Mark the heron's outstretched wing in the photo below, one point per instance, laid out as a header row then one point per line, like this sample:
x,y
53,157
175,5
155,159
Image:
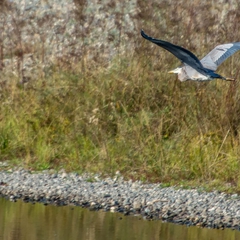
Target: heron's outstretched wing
x,y
219,54
183,54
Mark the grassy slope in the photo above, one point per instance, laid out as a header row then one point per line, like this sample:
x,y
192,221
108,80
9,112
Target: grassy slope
x,y
131,117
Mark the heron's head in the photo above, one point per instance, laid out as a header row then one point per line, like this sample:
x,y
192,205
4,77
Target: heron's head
x,y
180,71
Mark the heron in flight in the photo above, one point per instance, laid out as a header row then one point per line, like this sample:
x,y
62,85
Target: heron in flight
x,y
194,69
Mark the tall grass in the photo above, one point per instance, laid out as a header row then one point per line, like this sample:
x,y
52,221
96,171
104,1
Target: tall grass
x,y
129,118
130,115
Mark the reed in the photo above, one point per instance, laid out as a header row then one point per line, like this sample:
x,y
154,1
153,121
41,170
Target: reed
x,y
131,116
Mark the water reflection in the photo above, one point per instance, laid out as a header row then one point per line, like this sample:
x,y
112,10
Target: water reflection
x,y
21,221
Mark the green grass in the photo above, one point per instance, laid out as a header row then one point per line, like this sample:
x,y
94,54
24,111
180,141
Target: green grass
x,y
130,118
128,114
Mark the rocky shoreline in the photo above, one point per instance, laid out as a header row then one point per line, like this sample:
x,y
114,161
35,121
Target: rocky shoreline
x,y
153,202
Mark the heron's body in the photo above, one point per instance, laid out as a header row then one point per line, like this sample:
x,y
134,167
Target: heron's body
x,y
186,72
193,68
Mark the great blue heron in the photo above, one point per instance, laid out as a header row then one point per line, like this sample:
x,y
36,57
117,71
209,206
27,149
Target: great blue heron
x,y
193,68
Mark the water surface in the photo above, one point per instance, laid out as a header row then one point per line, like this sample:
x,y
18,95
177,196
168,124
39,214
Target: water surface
x,y
22,221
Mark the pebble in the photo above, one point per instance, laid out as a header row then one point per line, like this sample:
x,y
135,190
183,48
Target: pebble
x,y
181,206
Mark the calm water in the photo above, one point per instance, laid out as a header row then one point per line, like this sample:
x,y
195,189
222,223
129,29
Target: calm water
x,y
23,221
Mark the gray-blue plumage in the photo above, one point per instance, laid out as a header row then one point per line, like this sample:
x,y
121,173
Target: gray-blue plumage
x,y
219,54
193,68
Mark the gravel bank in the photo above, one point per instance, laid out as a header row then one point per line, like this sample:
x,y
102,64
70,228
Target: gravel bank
x,y
190,207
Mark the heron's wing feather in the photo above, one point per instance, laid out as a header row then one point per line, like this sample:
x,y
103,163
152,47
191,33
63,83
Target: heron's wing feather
x,y
219,54
183,54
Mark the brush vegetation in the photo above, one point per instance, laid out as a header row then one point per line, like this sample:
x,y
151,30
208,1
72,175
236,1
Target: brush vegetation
x,y
130,115
127,118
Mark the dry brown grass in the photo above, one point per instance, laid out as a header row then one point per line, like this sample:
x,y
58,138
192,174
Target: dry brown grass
x,y
129,114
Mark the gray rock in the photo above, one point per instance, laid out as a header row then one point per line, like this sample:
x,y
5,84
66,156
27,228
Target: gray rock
x,y
137,204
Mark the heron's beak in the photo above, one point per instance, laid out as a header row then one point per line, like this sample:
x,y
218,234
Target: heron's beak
x,y
176,70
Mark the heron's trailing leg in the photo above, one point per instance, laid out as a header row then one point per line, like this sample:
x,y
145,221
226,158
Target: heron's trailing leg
x,y
230,79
